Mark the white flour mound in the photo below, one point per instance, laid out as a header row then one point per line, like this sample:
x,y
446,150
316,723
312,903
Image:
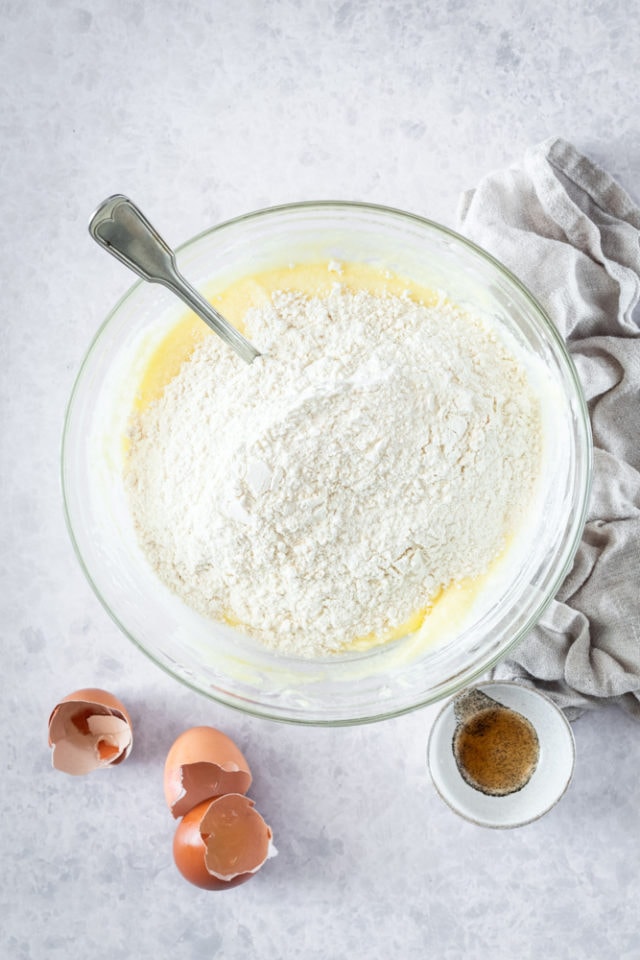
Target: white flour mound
x,y
378,451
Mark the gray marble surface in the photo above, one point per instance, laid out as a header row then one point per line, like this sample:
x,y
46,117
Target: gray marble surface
x,y
200,111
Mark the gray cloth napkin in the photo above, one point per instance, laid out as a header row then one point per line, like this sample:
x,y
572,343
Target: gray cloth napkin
x,y
571,234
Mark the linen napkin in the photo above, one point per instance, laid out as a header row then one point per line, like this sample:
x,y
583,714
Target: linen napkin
x,y
572,235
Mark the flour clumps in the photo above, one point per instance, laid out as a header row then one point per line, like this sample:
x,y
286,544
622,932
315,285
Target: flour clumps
x,y
378,451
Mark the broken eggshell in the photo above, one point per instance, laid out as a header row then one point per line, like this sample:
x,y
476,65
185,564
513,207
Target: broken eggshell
x,y
222,843
89,729
203,763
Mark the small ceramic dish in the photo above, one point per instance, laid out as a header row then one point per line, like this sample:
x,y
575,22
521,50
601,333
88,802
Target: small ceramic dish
x,y
548,783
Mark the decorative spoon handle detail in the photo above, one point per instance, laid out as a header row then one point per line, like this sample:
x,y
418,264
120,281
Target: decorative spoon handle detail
x,y
122,229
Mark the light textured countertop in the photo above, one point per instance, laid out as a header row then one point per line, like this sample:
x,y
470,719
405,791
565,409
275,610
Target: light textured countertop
x,y
201,111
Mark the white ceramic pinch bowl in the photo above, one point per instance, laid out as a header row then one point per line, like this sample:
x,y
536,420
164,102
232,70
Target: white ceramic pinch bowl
x,y
548,783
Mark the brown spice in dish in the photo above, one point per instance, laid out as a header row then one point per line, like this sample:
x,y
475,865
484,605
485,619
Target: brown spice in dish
x,y
496,751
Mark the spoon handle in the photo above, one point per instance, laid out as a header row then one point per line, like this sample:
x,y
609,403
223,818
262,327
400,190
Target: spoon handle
x,y
470,702
122,229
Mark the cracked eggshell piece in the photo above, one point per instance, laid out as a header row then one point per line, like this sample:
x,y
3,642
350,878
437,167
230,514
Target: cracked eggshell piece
x,y
203,763
222,843
89,729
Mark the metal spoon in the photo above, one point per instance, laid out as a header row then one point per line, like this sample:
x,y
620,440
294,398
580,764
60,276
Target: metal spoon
x,y
124,231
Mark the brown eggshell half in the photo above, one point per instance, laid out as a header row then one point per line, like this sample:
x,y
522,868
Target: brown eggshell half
x,y
203,763
222,843
89,729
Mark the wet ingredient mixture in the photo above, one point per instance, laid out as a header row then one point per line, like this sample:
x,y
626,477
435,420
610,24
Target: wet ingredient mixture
x,y
379,451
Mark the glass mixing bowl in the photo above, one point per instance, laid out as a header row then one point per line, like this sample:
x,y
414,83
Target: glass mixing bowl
x,y
219,660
